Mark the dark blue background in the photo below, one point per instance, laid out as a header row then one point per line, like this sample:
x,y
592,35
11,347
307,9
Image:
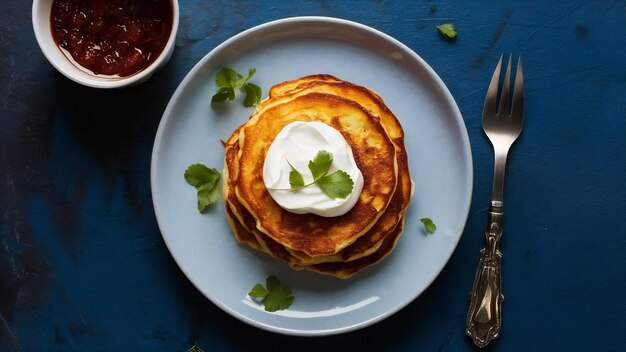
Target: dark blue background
x,y
83,266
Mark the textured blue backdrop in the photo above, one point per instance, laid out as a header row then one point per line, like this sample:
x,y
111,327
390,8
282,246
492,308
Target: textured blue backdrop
x,y
83,266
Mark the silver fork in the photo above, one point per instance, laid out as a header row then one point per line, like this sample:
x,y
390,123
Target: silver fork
x,y
502,126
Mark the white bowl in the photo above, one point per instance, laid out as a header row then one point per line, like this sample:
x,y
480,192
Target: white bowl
x,y
41,26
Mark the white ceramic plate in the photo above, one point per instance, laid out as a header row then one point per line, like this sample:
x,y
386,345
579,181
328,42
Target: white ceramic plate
x,y
439,159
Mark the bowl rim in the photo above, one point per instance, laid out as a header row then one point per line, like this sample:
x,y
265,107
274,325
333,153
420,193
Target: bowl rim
x,y
44,38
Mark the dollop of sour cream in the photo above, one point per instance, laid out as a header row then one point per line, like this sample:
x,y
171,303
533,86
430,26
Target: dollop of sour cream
x,y
297,143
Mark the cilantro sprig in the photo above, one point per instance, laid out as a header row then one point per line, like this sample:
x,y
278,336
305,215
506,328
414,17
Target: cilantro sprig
x,y
447,30
274,296
336,185
429,225
228,81
205,180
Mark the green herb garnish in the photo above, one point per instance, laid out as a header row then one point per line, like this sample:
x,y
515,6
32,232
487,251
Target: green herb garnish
x,y
205,180
274,296
195,348
448,30
336,185
429,225
228,81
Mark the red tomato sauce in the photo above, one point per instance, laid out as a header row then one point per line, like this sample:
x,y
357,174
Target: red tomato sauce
x,y
112,37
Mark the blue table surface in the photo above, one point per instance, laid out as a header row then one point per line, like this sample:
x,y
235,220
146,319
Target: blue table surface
x,y
83,266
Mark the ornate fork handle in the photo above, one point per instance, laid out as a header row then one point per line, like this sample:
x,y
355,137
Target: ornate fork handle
x,y
502,126
484,317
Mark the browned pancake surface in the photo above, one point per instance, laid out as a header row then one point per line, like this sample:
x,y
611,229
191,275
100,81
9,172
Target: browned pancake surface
x,y
367,249
375,105
372,149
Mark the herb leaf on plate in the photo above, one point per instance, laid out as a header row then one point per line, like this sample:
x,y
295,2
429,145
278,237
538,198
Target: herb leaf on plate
x,y
208,194
253,95
226,77
258,291
228,81
222,94
274,296
205,180
429,225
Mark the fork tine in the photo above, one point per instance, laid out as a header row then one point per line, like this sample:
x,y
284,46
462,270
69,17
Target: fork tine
x,y
504,96
492,91
517,111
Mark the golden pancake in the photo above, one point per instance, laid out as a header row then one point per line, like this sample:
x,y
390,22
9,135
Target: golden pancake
x,y
243,223
366,250
373,151
365,245
374,104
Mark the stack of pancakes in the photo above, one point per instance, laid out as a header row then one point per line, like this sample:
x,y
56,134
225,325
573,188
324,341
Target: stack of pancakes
x,y
340,246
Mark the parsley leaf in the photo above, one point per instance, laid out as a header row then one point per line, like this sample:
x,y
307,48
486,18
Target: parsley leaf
x,y
228,81
274,296
253,95
205,180
448,30
226,77
336,185
295,178
320,164
208,194
222,94
258,291
241,80
429,225
197,175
